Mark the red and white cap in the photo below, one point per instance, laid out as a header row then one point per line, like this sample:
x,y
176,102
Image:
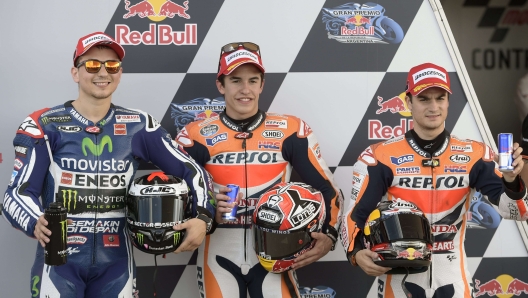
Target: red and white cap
x,y
230,61
425,76
97,38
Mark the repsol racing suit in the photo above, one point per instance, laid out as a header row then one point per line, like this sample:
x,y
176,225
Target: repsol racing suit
x,y
441,184
255,160
62,156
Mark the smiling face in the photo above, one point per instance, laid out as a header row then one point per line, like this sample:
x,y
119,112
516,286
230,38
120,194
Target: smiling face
x,y
241,91
429,111
96,86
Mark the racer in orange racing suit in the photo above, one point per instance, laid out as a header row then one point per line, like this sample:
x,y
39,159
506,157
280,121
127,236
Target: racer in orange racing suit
x,y
441,183
255,159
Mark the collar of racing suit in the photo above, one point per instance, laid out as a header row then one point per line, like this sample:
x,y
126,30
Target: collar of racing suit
x,y
231,124
101,122
436,150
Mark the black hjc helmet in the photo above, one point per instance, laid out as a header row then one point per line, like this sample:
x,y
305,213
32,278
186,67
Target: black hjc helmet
x,y
155,203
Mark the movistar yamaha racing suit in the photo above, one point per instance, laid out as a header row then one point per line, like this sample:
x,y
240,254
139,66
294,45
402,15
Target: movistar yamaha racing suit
x,y
441,184
62,156
255,160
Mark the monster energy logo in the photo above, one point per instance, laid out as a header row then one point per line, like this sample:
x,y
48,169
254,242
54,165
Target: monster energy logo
x,y
96,149
34,288
60,119
139,237
176,237
67,196
212,200
64,225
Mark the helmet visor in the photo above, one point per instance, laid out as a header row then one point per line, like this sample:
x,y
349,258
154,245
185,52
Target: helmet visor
x,y
403,226
270,243
157,209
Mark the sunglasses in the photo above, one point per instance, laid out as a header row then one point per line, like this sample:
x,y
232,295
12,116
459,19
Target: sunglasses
x,y
94,66
233,46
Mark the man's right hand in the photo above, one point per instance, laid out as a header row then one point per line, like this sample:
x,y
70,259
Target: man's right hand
x,y
365,259
41,232
222,206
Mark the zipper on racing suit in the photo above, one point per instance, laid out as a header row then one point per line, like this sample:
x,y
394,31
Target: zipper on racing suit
x,y
245,198
96,206
433,198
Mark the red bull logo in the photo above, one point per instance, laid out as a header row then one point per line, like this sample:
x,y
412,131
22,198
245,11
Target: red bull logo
x,y
153,8
394,105
156,10
410,254
504,286
357,31
358,20
205,115
378,131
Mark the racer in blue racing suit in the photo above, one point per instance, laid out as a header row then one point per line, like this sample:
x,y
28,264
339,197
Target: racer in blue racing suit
x,y
62,156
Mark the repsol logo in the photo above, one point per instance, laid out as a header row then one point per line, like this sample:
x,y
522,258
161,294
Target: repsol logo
x,y
157,190
199,277
442,182
417,148
241,157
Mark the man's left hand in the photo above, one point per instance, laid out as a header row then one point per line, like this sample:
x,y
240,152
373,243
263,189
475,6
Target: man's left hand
x,y
194,234
322,246
517,164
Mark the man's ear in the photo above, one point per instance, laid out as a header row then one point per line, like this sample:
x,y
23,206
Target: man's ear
x,y
220,87
75,74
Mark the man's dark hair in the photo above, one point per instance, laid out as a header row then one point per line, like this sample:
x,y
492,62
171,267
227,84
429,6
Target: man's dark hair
x,y
221,79
410,96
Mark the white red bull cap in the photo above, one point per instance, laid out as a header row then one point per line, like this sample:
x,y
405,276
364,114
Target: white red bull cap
x,y
230,61
97,38
425,76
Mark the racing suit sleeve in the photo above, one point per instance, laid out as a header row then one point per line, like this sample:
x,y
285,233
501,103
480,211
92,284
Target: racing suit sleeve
x,y
303,152
21,206
154,144
199,153
486,178
195,149
370,182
